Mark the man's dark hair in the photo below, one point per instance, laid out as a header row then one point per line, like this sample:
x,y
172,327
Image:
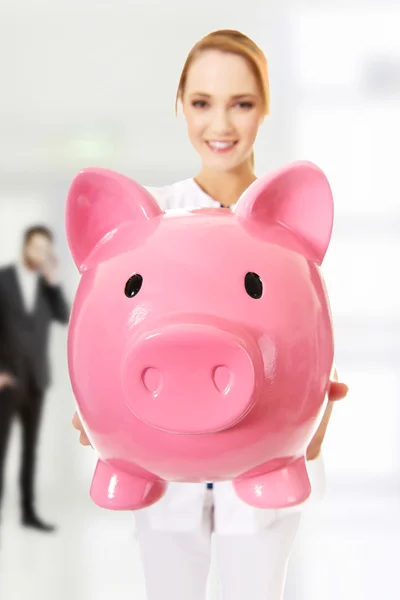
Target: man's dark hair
x,y
38,230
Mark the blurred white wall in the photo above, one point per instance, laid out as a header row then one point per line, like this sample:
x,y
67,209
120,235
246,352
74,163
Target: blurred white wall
x,y
85,83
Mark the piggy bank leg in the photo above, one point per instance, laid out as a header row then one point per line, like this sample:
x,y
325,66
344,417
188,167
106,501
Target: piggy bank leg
x,y
117,490
281,488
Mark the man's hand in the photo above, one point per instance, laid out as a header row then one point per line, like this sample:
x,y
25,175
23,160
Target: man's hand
x,y
76,422
50,271
6,380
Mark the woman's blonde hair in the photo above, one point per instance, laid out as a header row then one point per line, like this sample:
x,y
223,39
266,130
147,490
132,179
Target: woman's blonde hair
x,y
231,42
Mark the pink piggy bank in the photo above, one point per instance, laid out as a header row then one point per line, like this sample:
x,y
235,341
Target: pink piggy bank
x,y
200,344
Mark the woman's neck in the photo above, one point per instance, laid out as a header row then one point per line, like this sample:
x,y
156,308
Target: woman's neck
x,y
226,187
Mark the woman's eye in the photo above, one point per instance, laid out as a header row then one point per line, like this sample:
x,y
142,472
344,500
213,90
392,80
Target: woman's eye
x,y
199,103
245,105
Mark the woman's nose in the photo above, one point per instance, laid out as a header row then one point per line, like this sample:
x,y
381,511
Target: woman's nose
x,y
221,124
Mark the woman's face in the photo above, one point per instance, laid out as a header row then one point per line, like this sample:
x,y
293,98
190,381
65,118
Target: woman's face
x,y
223,107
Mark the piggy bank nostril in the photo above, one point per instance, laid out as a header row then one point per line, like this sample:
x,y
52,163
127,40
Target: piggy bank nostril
x,y
152,380
222,379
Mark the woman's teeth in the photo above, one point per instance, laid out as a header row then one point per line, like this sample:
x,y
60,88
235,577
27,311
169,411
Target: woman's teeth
x,y
220,146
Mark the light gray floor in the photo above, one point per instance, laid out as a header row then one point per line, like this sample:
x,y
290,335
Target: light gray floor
x,y
347,549
94,556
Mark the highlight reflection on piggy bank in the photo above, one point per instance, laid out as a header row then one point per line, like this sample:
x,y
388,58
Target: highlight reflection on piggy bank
x,y
200,343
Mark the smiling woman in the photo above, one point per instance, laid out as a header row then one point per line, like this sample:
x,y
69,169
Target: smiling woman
x,y
224,93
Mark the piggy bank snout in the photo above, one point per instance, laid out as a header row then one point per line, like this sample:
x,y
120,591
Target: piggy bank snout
x,y
190,379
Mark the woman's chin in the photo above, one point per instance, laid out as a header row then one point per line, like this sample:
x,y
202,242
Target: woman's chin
x,y
222,163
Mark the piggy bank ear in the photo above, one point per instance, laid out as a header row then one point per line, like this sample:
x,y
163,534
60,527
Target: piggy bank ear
x,y
98,202
298,197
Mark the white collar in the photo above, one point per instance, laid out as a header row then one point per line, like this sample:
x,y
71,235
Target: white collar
x,y
213,201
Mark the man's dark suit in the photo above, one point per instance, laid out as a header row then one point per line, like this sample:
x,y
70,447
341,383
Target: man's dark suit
x,y
24,354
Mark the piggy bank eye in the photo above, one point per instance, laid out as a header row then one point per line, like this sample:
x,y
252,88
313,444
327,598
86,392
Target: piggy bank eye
x,y
133,285
253,285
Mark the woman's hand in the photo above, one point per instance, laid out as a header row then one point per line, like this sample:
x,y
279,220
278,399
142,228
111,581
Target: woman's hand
x,y
337,391
76,422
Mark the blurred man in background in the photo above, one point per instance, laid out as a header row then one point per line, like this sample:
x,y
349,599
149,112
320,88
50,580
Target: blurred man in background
x,y
30,299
